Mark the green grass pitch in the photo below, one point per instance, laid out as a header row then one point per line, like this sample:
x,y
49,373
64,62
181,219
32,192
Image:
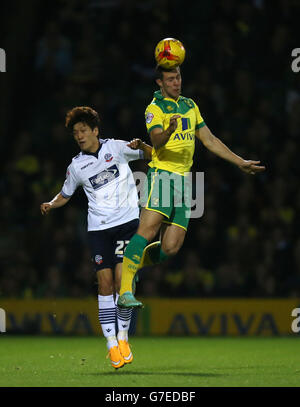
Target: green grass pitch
x,y
27,361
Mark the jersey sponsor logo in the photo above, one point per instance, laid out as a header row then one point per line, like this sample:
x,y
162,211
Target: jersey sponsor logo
x,y
185,123
98,259
86,165
104,177
149,117
108,157
182,136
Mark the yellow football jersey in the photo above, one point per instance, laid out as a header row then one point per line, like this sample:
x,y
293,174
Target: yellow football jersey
x,y
177,154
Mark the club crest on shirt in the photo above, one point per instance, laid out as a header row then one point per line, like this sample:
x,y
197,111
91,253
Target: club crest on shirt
x,y
108,157
98,259
149,117
188,102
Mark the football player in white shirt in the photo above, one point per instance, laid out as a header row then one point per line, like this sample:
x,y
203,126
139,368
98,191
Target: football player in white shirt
x,y
102,169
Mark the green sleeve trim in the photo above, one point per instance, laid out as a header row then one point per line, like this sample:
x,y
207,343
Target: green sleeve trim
x,y
202,124
153,127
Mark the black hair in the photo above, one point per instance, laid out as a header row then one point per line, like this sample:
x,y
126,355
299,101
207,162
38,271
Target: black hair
x,y
82,114
159,70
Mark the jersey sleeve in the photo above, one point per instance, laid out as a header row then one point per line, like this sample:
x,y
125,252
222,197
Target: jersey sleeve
x,y
130,154
71,183
154,117
199,119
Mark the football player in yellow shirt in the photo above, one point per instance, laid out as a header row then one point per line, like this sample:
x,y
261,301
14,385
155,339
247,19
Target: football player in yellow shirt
x,y
173,122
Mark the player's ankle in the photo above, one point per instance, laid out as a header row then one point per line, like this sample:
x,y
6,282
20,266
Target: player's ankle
x,y
111,342
123,336
126,290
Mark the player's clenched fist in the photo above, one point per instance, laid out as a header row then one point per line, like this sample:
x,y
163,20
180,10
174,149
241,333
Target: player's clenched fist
x,y
45,208
135,144
138,144
173,123
58,201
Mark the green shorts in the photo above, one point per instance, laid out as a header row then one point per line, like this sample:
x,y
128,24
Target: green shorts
x,y
169,194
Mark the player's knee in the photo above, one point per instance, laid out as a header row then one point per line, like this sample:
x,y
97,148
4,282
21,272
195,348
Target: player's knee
x,y
171,249
148,233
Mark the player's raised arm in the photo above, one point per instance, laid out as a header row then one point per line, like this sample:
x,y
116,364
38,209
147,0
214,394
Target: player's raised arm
x,y
138,144
160,137
217,147
58,201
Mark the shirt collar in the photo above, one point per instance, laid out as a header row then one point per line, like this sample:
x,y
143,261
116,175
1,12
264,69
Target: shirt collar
x,y
95,154
158,95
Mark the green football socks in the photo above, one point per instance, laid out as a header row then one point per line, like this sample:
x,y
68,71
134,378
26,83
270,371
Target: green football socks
x,y
131,261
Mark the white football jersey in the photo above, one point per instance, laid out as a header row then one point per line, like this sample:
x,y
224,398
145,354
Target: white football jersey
x,y
108,183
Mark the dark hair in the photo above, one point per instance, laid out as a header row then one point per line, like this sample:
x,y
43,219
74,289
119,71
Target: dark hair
x,y
83,114
159,71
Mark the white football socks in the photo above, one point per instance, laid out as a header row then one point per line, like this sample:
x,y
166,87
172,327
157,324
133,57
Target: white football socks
x,y
108,311
107,318
123,318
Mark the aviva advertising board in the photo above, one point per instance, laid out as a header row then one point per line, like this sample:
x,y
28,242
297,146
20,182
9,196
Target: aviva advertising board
x,y
207,317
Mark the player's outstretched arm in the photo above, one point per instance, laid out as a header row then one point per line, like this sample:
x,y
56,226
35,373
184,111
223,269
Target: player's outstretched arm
x,y
216,146
138,144
56,202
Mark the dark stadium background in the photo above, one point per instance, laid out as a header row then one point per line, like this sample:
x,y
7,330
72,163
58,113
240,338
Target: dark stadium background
x,y
62,54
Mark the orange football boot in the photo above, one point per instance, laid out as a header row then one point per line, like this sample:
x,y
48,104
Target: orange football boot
x,y
115,357
125,351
